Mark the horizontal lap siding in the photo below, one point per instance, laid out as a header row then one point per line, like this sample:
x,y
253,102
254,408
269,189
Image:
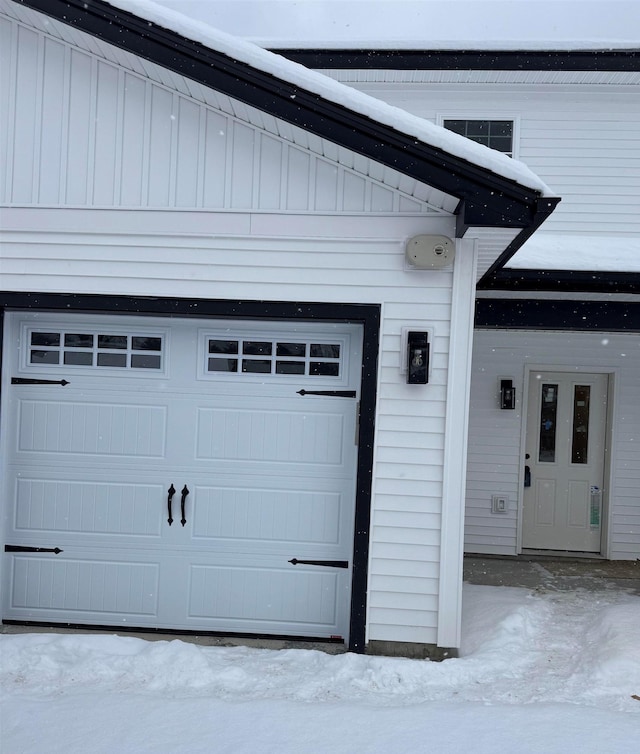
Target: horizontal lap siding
x,y
406,518
583,141
169,263
495,453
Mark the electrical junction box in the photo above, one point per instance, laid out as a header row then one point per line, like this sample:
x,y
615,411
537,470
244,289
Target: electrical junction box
x,y
427,252
499,504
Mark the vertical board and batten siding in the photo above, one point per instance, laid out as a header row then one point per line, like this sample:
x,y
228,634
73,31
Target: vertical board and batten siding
x,y
495,452
583,141
133,189
82,131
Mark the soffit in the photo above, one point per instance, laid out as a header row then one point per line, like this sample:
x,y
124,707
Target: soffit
x,y
523,77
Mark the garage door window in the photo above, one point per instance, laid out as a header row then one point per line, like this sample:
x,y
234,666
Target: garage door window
x,y
95,349
274,357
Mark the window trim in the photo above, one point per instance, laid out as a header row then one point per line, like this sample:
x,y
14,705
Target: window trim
x,y
274,334
94,327
467,115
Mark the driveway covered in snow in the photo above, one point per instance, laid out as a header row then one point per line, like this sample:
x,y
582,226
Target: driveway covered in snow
x,y
540,671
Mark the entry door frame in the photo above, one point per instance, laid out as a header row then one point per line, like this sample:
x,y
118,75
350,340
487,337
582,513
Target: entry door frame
x,y
366,315
607,496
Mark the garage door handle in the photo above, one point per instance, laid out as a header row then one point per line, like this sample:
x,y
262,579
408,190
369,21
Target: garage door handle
x,y
170,492
185,492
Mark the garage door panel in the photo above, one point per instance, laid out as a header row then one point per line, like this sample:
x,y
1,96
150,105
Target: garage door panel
x,y
288,600
267,475
270,436
53,506
269,516
79,428
82,589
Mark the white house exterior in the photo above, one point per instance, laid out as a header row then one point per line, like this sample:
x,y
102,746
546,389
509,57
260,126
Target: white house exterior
x,y
212,260
207,245
561,317
566,302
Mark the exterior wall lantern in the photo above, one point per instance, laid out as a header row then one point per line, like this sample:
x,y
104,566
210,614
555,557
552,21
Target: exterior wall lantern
x,y
417,357
507,394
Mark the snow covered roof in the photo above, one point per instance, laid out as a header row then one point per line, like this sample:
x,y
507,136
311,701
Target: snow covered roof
x,y
424,24
329,90
556,251
492,190
568,262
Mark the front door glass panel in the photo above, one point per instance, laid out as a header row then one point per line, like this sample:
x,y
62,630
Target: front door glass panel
x,y
580,435
548,423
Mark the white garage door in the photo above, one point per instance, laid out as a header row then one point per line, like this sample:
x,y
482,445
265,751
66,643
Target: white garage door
x,y
186,472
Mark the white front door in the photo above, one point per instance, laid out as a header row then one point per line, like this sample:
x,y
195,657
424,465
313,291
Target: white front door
x,y
564,466
243,434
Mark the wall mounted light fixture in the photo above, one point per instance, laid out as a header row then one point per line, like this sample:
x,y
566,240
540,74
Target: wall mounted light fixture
x,y
417,357
507,394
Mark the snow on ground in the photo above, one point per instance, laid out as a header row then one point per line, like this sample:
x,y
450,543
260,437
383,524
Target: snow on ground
x,y
539,672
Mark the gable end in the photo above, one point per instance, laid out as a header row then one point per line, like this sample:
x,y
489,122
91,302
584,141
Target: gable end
x,y
486,198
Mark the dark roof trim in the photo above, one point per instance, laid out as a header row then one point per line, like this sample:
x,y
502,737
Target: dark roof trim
x,y
544,210
551,314
585,281
467,60
487,199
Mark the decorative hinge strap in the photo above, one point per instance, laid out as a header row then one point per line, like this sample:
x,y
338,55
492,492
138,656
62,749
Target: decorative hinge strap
x,y
326,563
331,393
31,381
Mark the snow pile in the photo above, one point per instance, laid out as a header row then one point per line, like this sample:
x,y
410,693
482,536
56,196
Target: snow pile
x,y
552,672
614,642
557,251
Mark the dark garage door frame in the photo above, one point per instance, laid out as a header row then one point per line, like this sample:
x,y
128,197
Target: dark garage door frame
x,y
368,315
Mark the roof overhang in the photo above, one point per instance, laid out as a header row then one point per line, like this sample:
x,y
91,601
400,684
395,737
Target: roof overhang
x,y
485,198
561,281
560,314
466,60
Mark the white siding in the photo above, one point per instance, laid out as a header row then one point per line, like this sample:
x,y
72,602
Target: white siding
x,y
495,453
271,257
582,140
83,131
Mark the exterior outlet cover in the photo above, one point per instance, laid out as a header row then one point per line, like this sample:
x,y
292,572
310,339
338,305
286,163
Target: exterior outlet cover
x,y
499,504
426,252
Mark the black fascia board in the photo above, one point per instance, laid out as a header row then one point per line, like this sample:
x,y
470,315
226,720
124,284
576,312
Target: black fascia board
x,y
557,315
584,281
465,60
488,199
545,208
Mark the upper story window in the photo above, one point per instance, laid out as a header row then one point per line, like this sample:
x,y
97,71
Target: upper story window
x,y
496,134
